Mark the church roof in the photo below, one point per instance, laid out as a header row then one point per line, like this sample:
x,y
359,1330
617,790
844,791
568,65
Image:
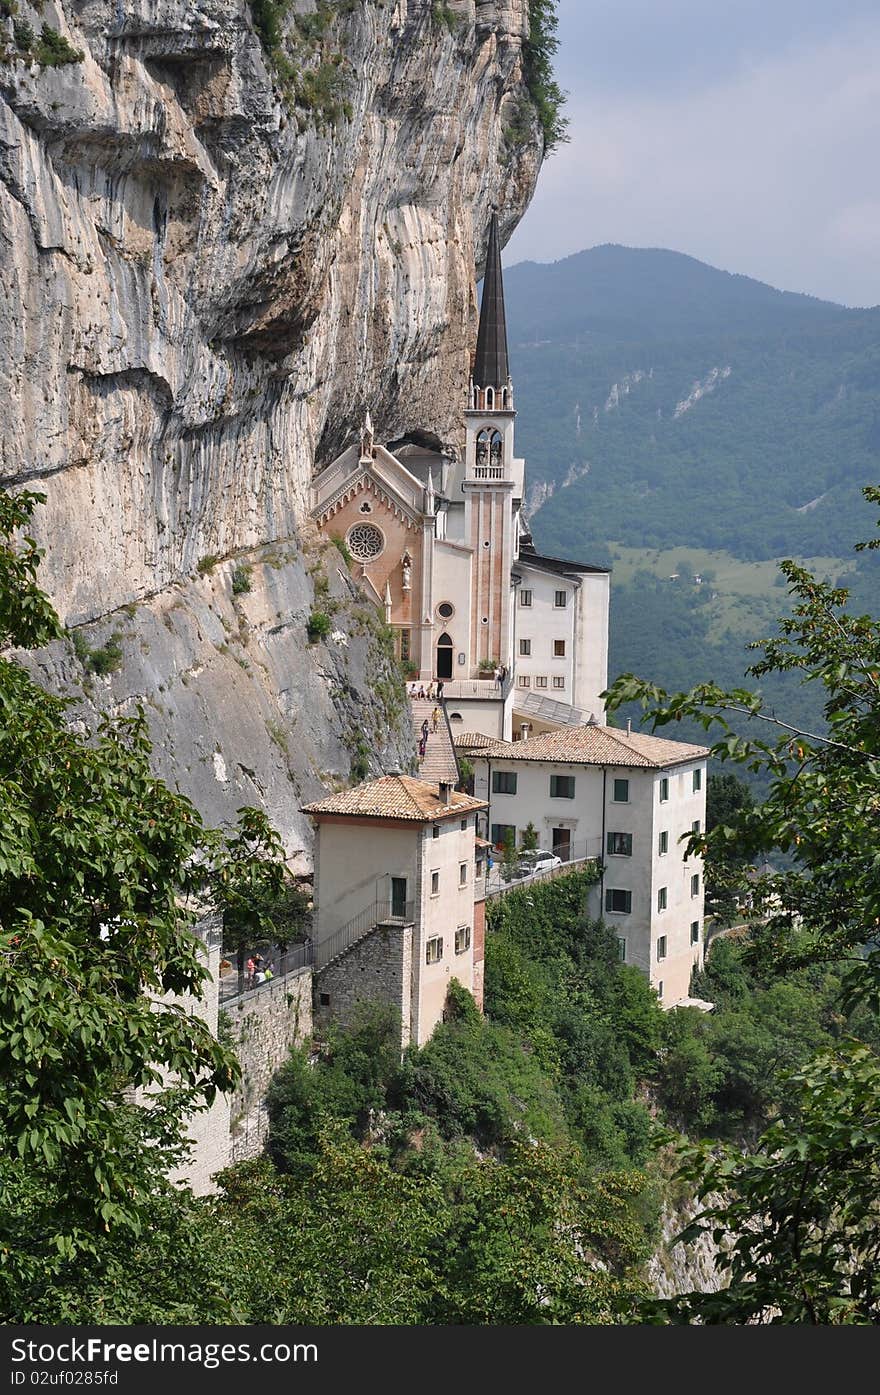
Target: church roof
x,y
491,366
588,745
396,797
530,558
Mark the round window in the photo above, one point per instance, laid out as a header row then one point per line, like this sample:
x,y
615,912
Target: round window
x,y
446,609
365,541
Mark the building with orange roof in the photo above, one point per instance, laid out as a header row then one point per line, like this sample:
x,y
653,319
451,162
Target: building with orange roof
x,y
399,900
627,798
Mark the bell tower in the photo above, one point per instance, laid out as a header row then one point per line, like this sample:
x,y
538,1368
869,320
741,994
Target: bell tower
x,y
489,483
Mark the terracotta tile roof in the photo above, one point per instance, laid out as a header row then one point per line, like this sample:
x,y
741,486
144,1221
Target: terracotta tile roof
x,y
476,740
587,745
395,797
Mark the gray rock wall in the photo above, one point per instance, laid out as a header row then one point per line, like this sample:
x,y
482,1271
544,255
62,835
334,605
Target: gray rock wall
x,y
202,290
243,710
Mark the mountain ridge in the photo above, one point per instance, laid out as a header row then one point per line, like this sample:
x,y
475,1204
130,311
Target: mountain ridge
x,y
668,403
609,250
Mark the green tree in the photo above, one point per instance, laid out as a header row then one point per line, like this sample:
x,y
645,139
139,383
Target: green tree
x,y
528,839
102,868
726,797
539,50
822,810
509,856
246,880
799,1225
288,914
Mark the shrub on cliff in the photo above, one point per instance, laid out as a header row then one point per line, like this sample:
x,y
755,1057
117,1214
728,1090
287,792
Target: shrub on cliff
x,y
539,49
53,50
318,626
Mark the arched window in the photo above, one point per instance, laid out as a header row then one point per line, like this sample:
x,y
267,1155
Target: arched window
x,y
490,399
489,447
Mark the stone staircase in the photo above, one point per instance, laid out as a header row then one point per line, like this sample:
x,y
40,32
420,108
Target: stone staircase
x,y
327,951
438,762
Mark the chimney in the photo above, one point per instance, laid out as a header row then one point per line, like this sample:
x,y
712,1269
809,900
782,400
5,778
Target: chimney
x,y
629,727
445,792
524,731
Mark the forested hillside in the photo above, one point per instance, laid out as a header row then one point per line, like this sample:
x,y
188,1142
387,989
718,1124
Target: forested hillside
x,y
680,422
669,404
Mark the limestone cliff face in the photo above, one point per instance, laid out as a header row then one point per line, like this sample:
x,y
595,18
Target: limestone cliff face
x,y
202,289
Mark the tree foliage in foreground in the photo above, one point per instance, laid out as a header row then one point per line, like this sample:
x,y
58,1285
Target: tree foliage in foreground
x,y
800,1214
101,1060
799,1228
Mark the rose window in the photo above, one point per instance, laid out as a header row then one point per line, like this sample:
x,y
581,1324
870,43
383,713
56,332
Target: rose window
x,y
365,541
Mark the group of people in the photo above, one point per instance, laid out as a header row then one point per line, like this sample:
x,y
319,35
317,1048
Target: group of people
x,y
426,730
258,971
432,692
500,674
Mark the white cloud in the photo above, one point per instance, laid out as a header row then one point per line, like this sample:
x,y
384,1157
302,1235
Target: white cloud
x,y
771,172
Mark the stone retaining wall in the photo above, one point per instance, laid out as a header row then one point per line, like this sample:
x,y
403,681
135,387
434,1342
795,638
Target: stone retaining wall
x,y
376,969
263,1024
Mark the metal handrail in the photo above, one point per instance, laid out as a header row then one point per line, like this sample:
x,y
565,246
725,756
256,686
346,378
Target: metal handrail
x,y
292,961
360,925
451,739
457,688
495,888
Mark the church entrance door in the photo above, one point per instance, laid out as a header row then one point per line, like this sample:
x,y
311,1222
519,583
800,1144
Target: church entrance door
x,y
444,657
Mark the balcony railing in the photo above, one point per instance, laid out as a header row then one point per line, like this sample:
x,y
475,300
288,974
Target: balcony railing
x,y
379,913
485,688
293,961
573,856
488,472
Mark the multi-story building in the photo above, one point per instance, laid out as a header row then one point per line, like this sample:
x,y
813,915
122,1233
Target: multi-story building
x,y
399,900
440,542
626,798
560,642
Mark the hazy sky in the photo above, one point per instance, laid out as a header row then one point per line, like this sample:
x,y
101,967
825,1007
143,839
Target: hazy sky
x,y
745,132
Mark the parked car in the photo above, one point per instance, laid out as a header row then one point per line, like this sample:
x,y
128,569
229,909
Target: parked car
x,y
536,860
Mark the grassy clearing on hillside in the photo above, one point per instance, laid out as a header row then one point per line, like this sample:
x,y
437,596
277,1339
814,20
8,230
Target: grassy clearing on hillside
x,y
731,574
746,595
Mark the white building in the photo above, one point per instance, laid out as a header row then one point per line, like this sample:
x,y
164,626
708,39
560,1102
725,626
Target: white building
x,y
560,642
627,798
441,543
399,908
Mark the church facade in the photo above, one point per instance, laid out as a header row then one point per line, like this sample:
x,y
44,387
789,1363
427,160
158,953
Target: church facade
x,y
520,640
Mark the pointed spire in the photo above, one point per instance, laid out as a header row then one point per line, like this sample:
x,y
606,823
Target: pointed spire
x,y
367,439
430,491
491,368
